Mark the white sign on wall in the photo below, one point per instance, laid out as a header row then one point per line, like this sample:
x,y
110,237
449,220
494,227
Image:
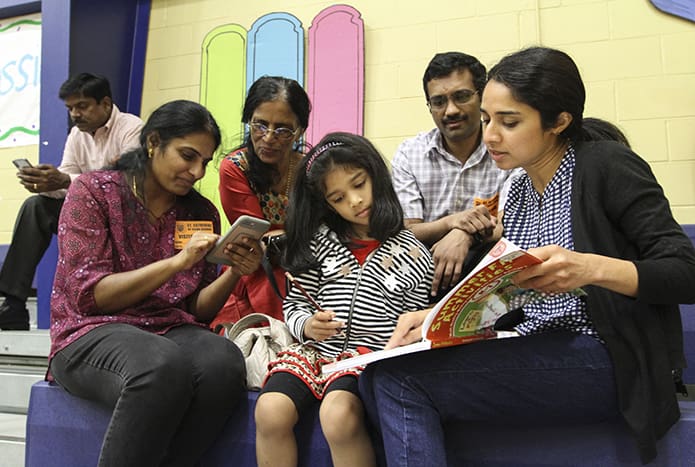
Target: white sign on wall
x,y
20,80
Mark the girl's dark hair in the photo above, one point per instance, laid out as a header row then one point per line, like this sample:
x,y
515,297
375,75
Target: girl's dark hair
x,y
309,209
174,119
547,80
266,89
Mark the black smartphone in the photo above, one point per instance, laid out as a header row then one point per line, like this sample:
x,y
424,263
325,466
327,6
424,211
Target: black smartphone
x,y
22,163
248,226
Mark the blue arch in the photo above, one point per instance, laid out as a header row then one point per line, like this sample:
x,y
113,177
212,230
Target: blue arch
x,y
275,47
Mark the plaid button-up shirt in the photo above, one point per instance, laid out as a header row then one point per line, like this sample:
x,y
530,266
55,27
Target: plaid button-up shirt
x,y
431,183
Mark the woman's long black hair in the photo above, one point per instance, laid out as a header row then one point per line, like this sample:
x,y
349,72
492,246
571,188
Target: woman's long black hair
x,y
175,119
547,80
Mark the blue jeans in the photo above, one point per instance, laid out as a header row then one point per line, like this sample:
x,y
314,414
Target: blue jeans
x,y
537,379
171,394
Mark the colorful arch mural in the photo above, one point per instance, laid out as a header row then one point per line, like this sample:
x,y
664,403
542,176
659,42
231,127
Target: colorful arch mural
x,y
681,8
275,48
336,72
232,59
222,91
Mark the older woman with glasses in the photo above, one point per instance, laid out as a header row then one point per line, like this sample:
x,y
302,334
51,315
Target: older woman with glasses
x,y
256,178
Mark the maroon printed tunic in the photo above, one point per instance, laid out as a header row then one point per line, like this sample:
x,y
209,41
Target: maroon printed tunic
x,y
104,229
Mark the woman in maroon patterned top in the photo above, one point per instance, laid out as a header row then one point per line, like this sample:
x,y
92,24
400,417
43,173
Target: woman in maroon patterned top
x,y
133,292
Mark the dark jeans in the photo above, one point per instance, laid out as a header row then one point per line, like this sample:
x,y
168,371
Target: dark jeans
x,y
546,378
36,223
171,394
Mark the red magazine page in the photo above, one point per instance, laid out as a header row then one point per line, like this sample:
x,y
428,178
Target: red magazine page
x,y
469,311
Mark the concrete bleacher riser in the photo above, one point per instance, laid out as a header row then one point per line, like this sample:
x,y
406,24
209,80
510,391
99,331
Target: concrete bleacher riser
x,y
22,363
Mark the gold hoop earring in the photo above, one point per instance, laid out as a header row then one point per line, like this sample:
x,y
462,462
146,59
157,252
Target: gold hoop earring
x,y
150,153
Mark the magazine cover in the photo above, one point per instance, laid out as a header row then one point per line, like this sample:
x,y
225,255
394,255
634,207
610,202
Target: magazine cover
x,y
470,310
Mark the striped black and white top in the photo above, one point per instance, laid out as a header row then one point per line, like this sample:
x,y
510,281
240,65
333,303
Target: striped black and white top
x,y
369,298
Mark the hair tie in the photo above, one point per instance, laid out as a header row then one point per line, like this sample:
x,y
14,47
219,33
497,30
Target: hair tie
x,y
319,151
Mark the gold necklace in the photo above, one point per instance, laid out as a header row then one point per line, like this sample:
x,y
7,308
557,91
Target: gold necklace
x,y
144,203
290,172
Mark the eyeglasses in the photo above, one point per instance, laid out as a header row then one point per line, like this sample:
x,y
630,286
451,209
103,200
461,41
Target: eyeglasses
x,y
281,133
459,98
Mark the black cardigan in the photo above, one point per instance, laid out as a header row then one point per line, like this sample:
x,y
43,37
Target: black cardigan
x,y
619,210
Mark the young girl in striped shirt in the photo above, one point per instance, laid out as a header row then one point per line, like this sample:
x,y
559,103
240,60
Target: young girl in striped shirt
x,y
350,252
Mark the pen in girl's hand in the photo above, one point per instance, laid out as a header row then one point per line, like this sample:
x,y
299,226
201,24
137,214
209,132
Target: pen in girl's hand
x,y
303,291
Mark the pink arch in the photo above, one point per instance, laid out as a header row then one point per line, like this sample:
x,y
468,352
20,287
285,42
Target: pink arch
x,y
336,72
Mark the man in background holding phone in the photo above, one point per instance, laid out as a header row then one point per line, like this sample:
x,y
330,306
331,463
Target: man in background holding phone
x,y
101,133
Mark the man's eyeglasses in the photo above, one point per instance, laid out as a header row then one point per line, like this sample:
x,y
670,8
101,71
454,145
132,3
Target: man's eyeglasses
x,y
459,98
281,133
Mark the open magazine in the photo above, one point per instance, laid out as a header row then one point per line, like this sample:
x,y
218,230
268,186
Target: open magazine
x,y
470,310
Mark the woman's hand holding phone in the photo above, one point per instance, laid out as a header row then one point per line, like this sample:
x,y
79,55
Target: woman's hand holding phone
x,y
244,227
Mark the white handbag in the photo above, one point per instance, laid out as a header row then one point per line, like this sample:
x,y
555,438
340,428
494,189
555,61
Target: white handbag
x,y
260,345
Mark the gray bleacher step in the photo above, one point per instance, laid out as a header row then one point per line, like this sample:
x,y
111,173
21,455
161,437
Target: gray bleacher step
x,y
11,453
16,383
25,344
12,427
12,433
23,361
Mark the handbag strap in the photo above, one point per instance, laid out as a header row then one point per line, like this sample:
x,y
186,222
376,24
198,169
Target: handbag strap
x,y
268,268
278,330
246,322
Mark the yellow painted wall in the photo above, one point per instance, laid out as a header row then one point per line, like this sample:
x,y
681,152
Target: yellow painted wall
x,y
636,62
12,194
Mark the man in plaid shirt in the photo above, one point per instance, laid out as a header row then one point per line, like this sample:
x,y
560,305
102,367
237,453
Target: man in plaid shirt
x,y
447,183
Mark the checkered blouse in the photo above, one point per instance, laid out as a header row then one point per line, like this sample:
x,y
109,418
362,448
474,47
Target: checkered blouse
x,y
531,220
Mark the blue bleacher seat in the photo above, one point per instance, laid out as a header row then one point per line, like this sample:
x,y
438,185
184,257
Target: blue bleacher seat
x,y
607,444
66,431
63,430
688,317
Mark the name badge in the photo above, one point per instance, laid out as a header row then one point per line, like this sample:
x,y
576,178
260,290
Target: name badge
x,y
185,230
